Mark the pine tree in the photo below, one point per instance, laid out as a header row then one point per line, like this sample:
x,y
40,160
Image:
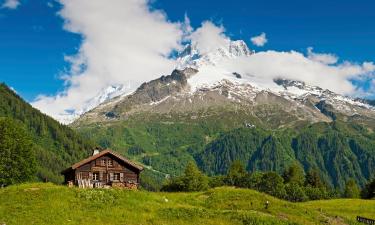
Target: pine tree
x,y
295,193
236,173
194,179
17,159
351,189
294,174
313,179
272,184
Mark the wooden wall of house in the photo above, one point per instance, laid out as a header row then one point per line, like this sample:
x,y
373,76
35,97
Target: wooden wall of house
x,y
106,172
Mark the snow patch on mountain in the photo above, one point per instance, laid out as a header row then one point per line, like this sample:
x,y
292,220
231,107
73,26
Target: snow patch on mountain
x,y
103,96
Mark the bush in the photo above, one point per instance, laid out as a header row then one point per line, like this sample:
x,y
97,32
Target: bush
x,y
252,180
216,181
351,189
272,184
295,193
314,193
368,191
235,175
313,179
192,180
294,174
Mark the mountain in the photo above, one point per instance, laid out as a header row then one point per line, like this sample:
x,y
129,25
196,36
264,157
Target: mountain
x,y
193,113
57,145
104,95
188,57
200,82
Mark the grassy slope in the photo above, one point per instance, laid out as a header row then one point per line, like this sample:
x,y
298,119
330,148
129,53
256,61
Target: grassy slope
x,y
52,204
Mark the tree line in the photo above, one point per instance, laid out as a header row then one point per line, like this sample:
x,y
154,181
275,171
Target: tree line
x,y
293,184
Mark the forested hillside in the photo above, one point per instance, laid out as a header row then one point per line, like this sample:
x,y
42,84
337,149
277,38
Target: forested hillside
x,y
338,150
56,145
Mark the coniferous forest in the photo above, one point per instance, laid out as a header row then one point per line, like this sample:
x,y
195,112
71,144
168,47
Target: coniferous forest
x,y
42,142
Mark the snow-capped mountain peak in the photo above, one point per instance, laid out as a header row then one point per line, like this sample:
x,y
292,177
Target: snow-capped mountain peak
x,y
214,78
192,57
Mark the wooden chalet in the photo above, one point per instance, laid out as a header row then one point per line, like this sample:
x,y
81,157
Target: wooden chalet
x,y
103,169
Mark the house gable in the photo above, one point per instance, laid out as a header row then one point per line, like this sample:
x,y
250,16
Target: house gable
x,y
107,153
104,168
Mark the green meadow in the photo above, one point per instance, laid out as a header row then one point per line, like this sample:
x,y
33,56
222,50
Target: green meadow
x,y
41,203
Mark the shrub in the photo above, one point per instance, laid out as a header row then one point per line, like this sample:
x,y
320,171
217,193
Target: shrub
x,y
351,189
368,191
272,184
192,180
295,193
294,174
235,175
314,193
216,181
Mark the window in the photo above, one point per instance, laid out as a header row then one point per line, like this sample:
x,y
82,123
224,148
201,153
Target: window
x,y
109,162
95,176
103,162
116,176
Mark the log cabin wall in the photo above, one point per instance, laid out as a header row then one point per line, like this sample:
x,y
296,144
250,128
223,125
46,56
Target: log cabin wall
x,y
107,170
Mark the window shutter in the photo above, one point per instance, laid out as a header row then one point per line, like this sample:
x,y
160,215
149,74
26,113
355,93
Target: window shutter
x,y
90,176
111,176
100,175
122,177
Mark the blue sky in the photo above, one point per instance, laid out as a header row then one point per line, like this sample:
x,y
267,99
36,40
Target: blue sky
x,y
33,42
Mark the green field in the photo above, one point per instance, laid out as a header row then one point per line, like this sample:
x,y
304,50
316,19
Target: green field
x,y
39,203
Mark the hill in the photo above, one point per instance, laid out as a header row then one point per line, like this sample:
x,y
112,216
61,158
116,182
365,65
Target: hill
x,y
57,145
50,204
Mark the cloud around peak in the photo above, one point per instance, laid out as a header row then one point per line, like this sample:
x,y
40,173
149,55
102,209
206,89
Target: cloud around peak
x,y
122,42
208,37
259,40
321,57
126,42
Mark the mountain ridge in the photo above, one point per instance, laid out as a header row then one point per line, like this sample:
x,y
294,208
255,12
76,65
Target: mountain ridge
x,y
199,72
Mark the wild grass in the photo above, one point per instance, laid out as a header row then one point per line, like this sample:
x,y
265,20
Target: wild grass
x,y
40,203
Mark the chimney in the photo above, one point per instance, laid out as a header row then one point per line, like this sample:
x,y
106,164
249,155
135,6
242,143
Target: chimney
x,y
96,151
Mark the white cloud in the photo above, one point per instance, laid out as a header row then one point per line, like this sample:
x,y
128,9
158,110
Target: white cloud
x,y
314,68
208,37
259,40
293,65
321,57
124,41
11,4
